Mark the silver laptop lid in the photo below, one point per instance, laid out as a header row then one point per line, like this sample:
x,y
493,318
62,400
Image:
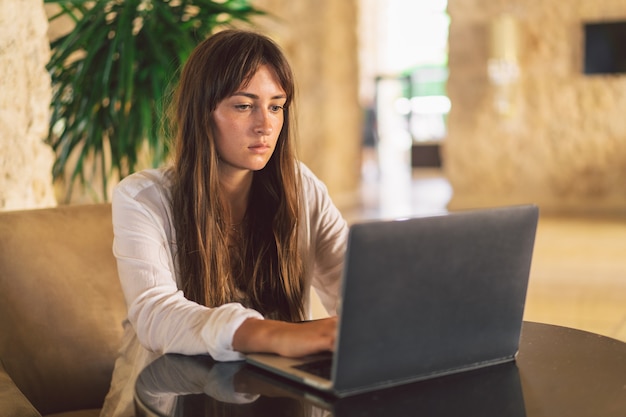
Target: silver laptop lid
x,y
433,295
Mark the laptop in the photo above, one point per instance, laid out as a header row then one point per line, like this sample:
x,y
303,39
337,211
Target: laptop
x,y
423,297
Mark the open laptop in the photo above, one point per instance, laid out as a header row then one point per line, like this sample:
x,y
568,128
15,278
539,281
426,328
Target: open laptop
x,y
424,297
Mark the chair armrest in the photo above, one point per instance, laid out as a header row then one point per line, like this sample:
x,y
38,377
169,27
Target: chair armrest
x,y
12,402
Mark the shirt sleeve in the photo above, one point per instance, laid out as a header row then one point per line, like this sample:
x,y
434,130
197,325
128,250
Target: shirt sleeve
x,y
328,234
163,319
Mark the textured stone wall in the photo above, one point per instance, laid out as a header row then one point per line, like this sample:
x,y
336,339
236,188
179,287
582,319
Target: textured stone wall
x,y
320,39
25,161
562,141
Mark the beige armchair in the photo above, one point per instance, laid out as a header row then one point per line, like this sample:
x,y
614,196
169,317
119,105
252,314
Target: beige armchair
x,y
61,308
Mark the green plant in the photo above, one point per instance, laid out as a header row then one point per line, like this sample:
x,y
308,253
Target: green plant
x,y
110,75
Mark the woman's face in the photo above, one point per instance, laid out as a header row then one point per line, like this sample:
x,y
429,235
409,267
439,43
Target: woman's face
x,y
247,124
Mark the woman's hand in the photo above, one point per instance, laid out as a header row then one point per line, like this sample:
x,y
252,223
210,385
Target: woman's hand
x,y
286,339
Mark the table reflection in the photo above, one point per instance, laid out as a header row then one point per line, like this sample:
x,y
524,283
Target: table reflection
x,y
176,385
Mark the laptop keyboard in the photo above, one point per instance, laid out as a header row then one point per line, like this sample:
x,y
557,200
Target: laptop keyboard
x,y
321,368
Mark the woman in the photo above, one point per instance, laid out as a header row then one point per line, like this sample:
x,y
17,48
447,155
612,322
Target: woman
x,y
217,253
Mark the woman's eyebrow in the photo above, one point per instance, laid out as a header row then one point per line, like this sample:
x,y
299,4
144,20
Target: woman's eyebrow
x,y
256,97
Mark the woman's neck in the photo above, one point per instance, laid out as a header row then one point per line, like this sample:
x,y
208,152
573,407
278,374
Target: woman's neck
x,y
236,190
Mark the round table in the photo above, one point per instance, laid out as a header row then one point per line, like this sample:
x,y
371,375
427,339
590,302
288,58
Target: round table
x,y
558,372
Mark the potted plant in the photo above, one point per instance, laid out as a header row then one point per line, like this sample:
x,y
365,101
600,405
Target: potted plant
x,y
110,75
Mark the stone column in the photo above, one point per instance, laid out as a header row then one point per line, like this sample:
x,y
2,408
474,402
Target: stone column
x,y
25,161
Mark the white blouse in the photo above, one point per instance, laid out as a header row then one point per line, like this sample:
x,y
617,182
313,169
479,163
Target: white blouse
x,y
160,319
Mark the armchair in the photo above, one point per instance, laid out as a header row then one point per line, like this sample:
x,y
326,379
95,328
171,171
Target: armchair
x,y
61,308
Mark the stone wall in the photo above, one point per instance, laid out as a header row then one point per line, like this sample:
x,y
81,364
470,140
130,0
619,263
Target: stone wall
x,y
25,161
561,142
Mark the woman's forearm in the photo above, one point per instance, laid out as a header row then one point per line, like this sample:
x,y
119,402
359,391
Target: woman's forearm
x,y
286,339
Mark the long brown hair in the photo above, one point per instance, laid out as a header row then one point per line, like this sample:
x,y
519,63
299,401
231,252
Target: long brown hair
x,y
265,272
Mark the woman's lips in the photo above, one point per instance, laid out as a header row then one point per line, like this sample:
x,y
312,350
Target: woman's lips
x,y
259,148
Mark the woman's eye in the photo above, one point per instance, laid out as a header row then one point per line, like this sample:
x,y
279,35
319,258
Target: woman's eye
x,y
243,107
276,108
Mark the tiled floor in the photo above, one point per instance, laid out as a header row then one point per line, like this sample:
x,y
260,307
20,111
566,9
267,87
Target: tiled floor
x,y
578,275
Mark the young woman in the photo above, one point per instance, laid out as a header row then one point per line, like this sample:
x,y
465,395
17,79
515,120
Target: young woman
x,y
217,253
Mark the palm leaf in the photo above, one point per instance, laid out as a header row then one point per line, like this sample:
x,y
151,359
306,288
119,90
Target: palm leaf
x,y
110,74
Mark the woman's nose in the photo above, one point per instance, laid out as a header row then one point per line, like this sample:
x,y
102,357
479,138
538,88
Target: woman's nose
x,y
263,122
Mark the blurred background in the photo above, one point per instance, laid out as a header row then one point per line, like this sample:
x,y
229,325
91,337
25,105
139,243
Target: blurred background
x,y
411,107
